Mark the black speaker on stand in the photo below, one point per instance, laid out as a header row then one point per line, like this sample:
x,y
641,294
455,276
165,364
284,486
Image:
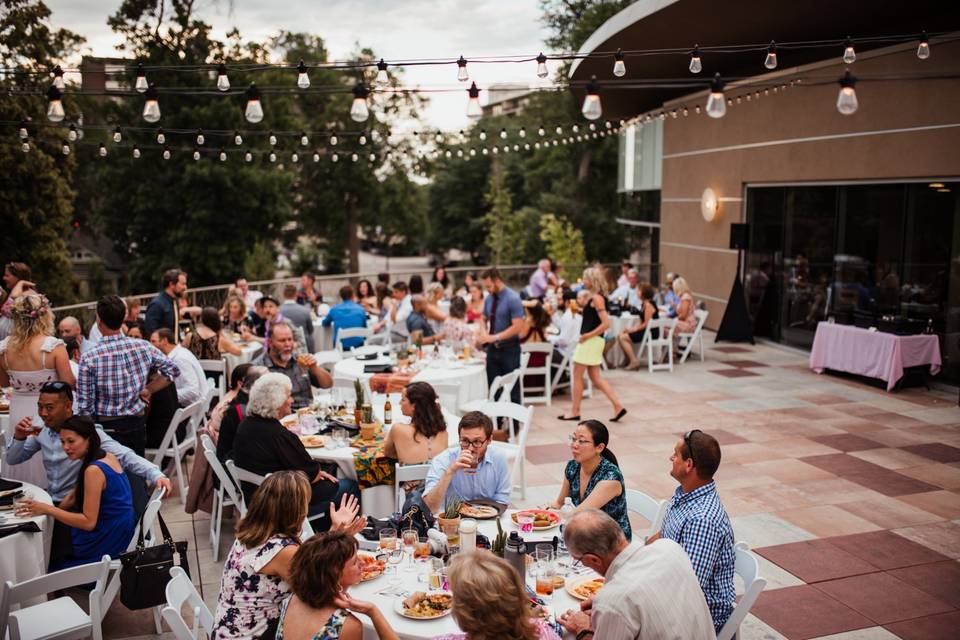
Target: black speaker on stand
x,y
736,325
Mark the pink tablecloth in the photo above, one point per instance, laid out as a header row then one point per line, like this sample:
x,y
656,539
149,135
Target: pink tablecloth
x,y
872,353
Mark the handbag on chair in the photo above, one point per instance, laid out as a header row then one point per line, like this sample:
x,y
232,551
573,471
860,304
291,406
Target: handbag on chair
x,y
145,571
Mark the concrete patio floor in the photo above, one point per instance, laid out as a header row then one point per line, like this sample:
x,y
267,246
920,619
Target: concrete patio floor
x,y
849,495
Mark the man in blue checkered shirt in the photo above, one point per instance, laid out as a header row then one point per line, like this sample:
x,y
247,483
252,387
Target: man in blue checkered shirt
x,y
698,522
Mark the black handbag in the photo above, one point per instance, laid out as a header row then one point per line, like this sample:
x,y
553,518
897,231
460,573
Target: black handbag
x,y
145,571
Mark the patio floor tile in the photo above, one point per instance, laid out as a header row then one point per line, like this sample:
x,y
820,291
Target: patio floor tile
x,y
886,550
935,451
847,442
940,627
883,598
942,503
940,579
939,536
815,560
805,612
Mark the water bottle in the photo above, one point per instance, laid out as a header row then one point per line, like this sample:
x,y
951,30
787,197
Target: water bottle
x,y
566,512
515,553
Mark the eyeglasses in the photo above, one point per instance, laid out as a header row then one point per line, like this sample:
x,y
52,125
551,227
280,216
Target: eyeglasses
x,y
581,442
475,444
688,440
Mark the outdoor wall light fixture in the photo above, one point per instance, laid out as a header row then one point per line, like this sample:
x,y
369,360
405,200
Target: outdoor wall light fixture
x,y
709,204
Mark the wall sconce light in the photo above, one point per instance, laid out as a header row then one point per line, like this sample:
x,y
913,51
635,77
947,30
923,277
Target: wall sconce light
x,y
709,204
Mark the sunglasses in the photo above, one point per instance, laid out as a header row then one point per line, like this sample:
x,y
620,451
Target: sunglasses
x,y
57,386
688,440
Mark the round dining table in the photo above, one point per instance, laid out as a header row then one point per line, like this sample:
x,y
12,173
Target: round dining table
x,y
380,591
24,555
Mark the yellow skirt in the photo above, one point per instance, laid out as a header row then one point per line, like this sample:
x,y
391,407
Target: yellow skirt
x,y
590,352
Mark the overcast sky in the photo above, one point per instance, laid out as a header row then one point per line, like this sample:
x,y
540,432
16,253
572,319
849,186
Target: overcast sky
x,y
404,29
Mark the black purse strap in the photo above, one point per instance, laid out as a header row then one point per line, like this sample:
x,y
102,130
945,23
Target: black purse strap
x,y
167,538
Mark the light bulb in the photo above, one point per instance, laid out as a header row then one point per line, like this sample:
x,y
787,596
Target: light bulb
x,y
506,148
473,152
200,137
592,126
333,140
484,151
25,145
55,112
516,147
102,151
196,154
716,103
304,140
526,147
359,111
575,128
294,157
462,136
542,66
273,139
248,156
65,148
141,84
136,152
849,55
770,62
474,110
483,134
923,49
272,157
334,158
496,150
223,155
559,130
619,68
23,131
372,157
58,78
166,153
382,78
254,110
151,106
223,82
591,109
541,131
696,65
462,74
161,138
72,133
237,138
354,157
316,157
303,80
847,98
448,153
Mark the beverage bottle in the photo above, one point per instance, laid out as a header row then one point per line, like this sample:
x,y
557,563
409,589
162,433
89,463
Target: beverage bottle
x,y
387,412
468,534
515,552
566,512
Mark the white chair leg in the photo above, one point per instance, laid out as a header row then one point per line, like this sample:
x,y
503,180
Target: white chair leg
x,y
701,346
216,523
179,472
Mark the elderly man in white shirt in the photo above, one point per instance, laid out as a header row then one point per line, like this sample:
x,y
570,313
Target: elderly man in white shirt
x,y
192,382
651,592
628,291
401,310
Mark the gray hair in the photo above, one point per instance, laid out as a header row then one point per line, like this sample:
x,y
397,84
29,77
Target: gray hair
x,y
268,394
593,531
70,321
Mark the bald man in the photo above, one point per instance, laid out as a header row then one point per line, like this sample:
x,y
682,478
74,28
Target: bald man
x,y
70,327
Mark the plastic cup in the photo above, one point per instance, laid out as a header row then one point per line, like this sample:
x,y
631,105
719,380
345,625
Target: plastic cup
x,y
525,523
388,539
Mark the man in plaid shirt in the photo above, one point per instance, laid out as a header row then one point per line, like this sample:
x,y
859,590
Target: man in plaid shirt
x,y
698,522
112,386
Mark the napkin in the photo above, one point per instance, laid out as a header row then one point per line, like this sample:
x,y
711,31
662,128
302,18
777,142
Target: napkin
x,y
27,527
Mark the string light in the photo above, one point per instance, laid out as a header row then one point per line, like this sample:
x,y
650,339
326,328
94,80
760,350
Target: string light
x,y
248,156
141,84
72,133
770,62
559,130
849,54
483,134
923,49
303,80
354,157
222,155
161,138
58,78
619,68
542,66
196,153
359,111
136,152
254,111
151,106
316,157
102,151
272,139
503,134
716,104
696,65
372,157
362,139
541,131
272,157
223,82
55,112
462,74
382,78
591,108
304,140
294,157
166,153
237,138
474,110
522,132
25,145
847,98
23,133
65,148
334,158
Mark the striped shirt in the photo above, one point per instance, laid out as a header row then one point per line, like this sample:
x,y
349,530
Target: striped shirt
x,y
699,523
113,374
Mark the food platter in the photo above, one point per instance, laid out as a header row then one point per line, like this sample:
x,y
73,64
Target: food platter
x,y
543,520
478,511
425,605
312,442
371,567
586,587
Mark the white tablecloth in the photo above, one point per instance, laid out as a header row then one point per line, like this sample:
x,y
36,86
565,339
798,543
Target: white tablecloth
x,y
618,324
409,629
322,336
25,555
249,351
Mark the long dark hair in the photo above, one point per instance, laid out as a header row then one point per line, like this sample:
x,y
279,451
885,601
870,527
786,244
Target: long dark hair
x,y
445,280
415,284
598,431
84,427
541,321
370,290
427,416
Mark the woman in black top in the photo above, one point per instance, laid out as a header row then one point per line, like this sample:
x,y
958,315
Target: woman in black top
x,y
588,355
263,446
634,335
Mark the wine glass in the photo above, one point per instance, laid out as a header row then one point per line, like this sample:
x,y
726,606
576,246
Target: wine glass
x,y
410,539
394,557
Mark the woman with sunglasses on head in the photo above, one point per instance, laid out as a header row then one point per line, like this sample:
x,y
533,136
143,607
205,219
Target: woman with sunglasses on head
x,y
592,479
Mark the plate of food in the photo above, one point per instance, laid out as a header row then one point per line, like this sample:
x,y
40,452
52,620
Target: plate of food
x,y
425,605
585,587
312,442
542,519
370,566
478,511
290,421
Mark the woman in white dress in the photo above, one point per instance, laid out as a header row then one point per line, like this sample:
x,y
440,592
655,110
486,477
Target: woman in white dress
x,y
29,357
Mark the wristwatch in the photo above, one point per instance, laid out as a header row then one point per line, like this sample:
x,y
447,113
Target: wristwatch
x,y
583,634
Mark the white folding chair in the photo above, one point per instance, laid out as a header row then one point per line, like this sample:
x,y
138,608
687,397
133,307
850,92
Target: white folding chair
x,y
240,475
172,447
344,388
359,332
218,367
748,568
502,386
649,508
180,592
545,395
226,494
567,365
449,395
61,618
407,473
664,340
685,340
206,402
517,446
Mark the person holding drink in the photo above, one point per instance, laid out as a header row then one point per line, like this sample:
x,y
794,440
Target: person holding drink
x,y
302,370
470,471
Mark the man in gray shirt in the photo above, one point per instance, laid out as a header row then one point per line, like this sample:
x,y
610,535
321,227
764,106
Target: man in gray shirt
x,y
297,314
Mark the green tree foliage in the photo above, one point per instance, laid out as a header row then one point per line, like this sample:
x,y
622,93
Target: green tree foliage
x,y
259,262
571,22
36,194
498,217
564,243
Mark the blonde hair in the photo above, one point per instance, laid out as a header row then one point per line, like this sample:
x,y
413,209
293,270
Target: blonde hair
x,y
233,297
31,318
434,289
596,280
489,600
680,286
277,508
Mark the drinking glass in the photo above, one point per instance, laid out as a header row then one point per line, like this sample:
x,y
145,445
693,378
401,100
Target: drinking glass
x,y
525,522
394,557
340,436
545,575
421,552
388,539
435,573
452,531
410,539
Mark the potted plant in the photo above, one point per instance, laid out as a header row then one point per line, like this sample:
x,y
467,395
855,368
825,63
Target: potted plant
x,y
451,515
498,543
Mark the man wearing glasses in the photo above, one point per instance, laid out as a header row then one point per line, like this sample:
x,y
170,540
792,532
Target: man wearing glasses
x,y
699,523
470,471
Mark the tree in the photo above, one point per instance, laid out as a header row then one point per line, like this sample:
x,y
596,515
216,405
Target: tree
x,y
497,218
564,244
36,193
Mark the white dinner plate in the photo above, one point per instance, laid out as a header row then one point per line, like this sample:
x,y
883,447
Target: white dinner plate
x,y
398,607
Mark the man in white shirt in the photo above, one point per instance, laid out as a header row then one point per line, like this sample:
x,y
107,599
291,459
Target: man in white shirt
x,y
628,291
402,308
249,297
651,592
568,323
192,381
